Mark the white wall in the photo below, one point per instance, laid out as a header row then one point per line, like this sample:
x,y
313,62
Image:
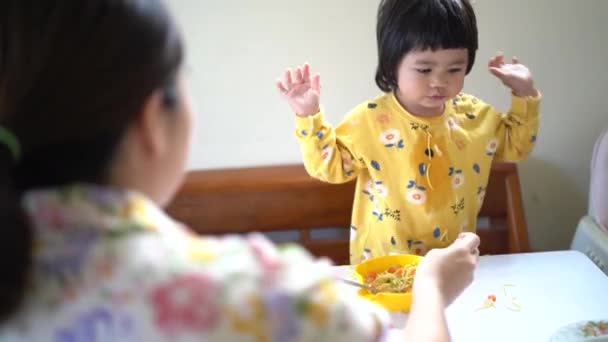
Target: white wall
x,y
237,48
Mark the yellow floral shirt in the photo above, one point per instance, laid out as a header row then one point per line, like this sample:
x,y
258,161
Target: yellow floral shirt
x,y
420,181
109,265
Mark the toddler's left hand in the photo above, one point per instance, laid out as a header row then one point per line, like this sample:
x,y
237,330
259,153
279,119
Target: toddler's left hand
x,y
515,75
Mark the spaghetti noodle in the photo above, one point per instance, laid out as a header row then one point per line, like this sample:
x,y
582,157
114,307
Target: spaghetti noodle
x,y
396,279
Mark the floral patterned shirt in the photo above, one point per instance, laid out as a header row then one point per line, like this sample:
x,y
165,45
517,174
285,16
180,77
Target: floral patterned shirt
x,y
109,265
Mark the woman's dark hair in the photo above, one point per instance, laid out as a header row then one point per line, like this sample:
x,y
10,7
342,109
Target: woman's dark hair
x,y
73,75
410,25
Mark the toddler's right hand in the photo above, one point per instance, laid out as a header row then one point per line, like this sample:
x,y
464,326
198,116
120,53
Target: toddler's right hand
x,y
449,271
301,90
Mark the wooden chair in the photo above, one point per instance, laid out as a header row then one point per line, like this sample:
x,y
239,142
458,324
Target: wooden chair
x,y
284,198
503,210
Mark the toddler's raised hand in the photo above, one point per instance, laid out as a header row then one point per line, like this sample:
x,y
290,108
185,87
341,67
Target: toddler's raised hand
x,y
514,75
302,90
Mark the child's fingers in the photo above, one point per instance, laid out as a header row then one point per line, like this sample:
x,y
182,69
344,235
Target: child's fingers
x,y
288,78
299,75
306,72
497,60
491,62
316,83
515,60
501,58
498,72
494,61
281,86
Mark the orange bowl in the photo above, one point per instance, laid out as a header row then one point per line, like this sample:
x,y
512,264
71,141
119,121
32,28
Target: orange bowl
x,y
390,301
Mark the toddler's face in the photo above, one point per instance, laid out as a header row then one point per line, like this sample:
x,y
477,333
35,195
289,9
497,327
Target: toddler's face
x,y
427,79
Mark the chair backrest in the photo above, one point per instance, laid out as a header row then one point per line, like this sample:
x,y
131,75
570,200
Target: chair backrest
x,y
266,199
285,199
598,189
502,224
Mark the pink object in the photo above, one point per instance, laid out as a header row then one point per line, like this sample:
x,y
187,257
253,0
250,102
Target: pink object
x,y
598,202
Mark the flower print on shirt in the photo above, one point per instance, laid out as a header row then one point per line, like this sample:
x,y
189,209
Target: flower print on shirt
x,y
476,168
381,189
283,319
316,306
326,153
71,258
417,247
437,232
457,177
393,214
492,146
186,302
416,194
250,320
98,324
383,119
369,190
458,207
375,165
392,138
377,213
375,189
347,163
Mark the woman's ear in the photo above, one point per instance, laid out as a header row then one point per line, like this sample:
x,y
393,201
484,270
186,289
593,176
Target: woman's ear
x,y
151,124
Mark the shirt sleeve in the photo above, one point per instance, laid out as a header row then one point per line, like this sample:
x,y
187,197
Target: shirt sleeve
x,y
238,288
328,152
517,130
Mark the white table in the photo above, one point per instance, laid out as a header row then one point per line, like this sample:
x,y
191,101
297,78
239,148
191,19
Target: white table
x,y
554,289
